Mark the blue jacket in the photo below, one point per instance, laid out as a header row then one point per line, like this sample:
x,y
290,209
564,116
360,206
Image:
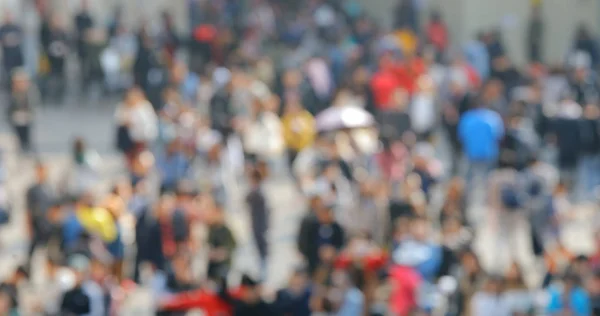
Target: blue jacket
x,y
579,302
172,168
480,131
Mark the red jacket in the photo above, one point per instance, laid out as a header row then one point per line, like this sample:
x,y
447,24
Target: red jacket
x,y
438,36
383,85
210,303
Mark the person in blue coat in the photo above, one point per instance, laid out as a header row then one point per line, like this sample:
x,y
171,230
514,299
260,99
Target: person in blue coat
x,y
569,297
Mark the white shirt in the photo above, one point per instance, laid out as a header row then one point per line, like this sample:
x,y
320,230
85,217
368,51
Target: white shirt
x,y
143,122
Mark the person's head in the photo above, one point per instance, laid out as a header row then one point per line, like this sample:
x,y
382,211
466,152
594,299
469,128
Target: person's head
x,y
134,96
292,78
470,262
79,150
255,177
173,147
98,270
251,290
20,80
165,206
514,275
494,284
401,99
216,214
298,281
293,104
325,214
435,17
41,172
492,90
179,71
583,33
455,189
420,228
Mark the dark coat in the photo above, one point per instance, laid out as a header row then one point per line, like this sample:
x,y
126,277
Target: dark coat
x,y
568,136
314,235
149,240
75,302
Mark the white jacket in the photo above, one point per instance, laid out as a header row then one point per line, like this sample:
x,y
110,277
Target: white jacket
x,y
141,120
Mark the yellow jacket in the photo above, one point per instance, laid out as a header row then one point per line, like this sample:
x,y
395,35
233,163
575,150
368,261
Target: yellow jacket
x,y
299,130
98,221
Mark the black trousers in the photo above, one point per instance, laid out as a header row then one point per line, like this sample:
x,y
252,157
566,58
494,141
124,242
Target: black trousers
x,y
24,136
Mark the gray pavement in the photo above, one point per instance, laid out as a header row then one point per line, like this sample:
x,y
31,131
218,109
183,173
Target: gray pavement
x,y
56,127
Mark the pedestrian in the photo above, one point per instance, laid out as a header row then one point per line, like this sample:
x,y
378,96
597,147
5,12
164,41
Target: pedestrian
x,y
321,239
40,198
24,99
480,131
298,128
260,217
535,34
55,45
137,124
11,41
83,24
221,244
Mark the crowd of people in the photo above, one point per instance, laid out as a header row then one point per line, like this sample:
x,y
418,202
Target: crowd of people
x,y
401,147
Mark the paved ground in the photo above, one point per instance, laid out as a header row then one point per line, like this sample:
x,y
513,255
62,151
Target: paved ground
x,y
56,127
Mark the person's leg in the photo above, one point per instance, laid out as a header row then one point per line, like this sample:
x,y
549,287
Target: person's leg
x,y
262,247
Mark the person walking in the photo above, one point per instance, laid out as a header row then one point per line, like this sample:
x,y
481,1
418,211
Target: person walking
x,y
20,112
11,39
480,131
39,200
259,214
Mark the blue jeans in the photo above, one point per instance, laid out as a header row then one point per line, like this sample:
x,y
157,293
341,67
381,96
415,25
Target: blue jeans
x,y
588,176
477,175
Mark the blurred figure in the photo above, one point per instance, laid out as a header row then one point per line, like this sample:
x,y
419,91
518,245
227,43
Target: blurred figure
x,y
406,16
480,131
298,128
172,167
96,43
187,83
76,301
535,35
437,34
490,300
295,299
570,298
137,123
39,199
260,215
11,41
55,44
83,24
24,100
148,70
153,242
84,172
169,38
222,244
9,292
321,239
584,41
250,303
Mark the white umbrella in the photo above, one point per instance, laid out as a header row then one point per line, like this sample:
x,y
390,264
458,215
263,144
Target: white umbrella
x,y
344,117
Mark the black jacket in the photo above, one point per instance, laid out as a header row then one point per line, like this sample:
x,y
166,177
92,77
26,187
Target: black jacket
x,y
313,235
221,112
75,302
149,240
